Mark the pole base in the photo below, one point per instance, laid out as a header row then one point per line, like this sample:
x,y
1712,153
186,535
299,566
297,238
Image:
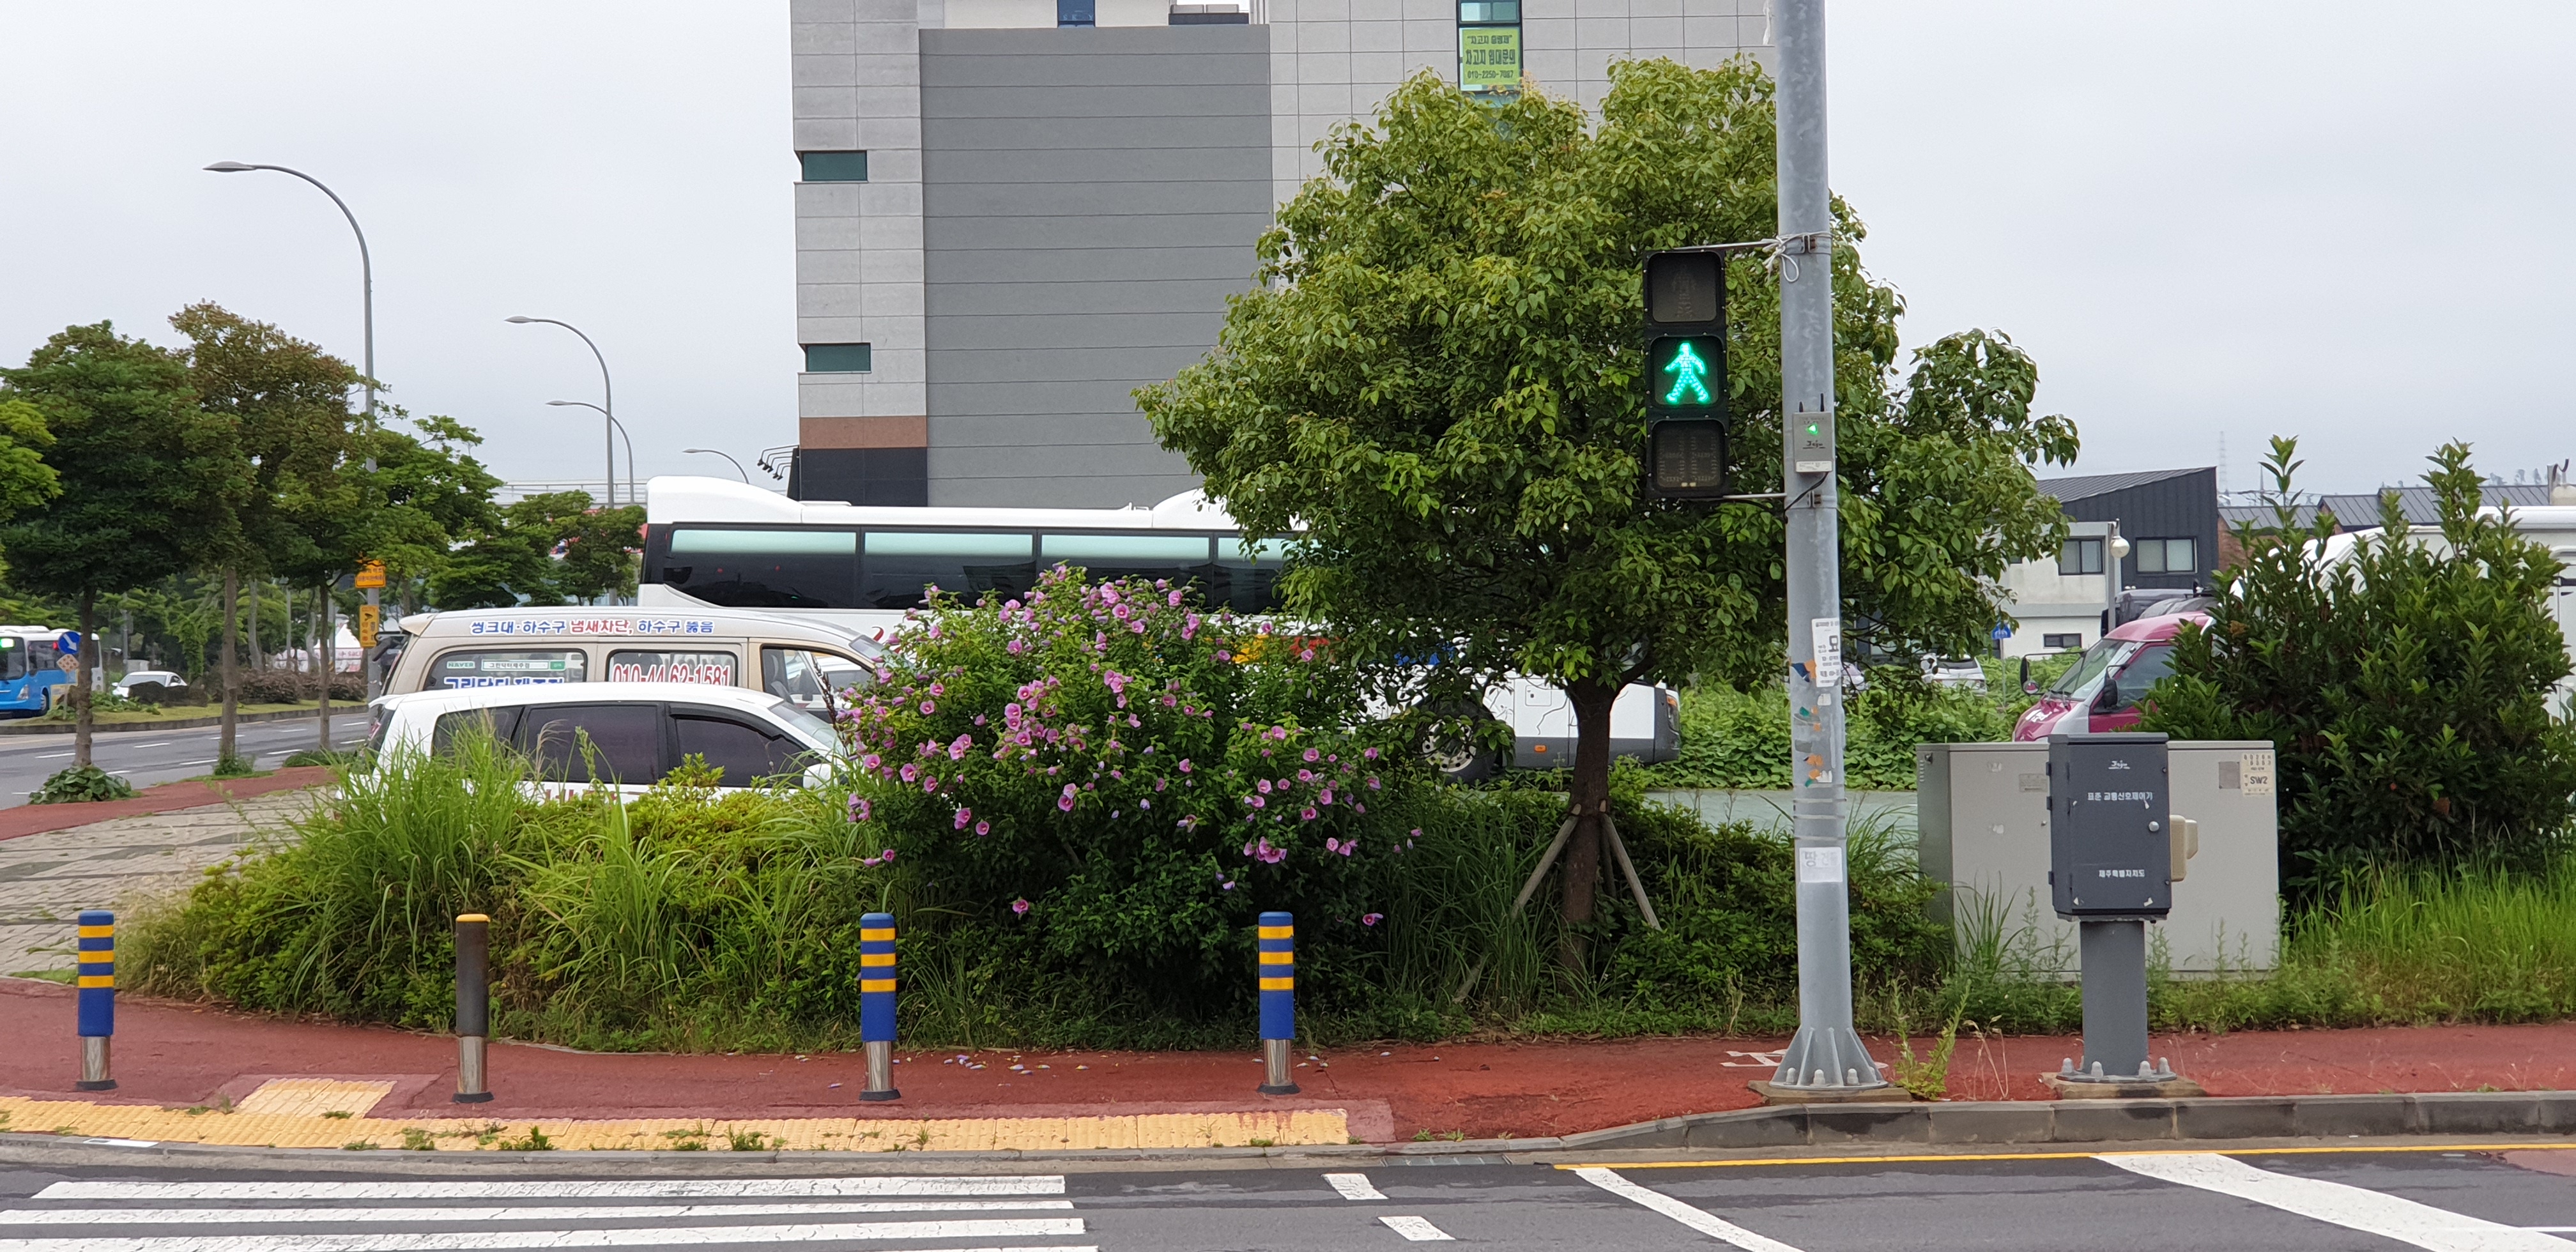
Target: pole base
x,y
471,1097
2166,1086
889,1093
1778,1093
1278,1089
103,1084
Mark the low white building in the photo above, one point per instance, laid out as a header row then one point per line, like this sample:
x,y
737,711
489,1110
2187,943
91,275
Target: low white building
x,y
2057,603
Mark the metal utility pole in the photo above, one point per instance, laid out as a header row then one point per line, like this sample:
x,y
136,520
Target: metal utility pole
x,y
607,396
1826,1052
367,290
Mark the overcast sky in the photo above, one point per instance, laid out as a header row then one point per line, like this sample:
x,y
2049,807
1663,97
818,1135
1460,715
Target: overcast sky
x,y
2344,221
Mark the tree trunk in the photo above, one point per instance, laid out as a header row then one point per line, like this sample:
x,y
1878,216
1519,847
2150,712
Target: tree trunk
x,y
225,738
1589,793
327,655
88,655
258,658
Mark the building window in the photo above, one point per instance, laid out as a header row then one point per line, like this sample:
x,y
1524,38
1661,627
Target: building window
x,y
1221,14
838,358
1076,12
2062,643
1489,46
2080,556
833,167
2168,556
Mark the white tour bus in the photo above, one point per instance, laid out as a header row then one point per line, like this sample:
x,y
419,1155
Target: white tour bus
x,y
711,542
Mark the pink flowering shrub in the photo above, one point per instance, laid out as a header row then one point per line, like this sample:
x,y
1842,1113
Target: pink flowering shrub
x,y
1116,779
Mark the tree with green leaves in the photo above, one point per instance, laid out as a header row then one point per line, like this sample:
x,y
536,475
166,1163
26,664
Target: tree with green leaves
x,y
433,496
303,512
1436,388
2404,682
149,481
545,549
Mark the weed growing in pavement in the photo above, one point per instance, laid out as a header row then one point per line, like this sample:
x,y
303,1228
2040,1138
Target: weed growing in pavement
x,y
747,1141
339,1113
358,1145
535,1141
416,1139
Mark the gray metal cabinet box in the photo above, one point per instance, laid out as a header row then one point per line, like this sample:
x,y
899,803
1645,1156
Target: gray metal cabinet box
x,y
1982,814
2110,825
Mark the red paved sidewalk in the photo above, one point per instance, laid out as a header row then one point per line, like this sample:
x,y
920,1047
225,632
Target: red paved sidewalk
x,y
177,1054
37,819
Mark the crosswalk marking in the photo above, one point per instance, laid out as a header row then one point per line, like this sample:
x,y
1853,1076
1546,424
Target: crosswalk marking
x,y
2354,1208
1417,1229
1354,1186
478,1240
1705,1223
466,1189
520,1213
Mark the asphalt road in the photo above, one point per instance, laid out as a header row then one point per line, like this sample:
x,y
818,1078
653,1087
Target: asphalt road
x,y
2452,1202
145,757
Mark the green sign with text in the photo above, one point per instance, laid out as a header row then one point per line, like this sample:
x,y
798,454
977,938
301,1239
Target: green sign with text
x,y
1489,58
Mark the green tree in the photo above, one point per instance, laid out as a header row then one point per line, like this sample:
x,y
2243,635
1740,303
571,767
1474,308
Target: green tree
x,y
2405,685
147,479
302,514
1435,384
432,496
545,549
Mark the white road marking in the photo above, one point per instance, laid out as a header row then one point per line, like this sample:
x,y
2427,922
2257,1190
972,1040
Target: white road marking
x,y
1416,1229
1354,1186
1714,1227
47,756
163,744
502,1213
2354,1208
474,1189
645,1236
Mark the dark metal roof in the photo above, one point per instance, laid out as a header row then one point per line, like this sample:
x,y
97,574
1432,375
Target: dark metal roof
x,y
2359,510
2081,486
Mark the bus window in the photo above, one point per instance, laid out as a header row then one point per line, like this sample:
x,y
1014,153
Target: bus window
x,y
902,564
13,657
1247,574
764,569
515,667
1180,558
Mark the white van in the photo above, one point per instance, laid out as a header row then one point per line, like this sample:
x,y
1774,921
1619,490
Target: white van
x,y
618,736
798,659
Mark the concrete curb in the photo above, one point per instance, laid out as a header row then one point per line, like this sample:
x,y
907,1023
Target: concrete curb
x,y
2099,1121
39,726
2091,1124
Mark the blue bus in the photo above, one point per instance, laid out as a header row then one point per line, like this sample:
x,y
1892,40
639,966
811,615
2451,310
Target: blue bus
x,y
28,673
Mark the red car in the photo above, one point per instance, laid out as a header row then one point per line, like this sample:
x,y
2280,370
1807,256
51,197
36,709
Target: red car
x,y
2101,692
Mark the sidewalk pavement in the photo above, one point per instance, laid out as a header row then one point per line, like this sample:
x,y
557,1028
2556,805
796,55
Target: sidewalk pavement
x,y
37,819
48,877
183,1056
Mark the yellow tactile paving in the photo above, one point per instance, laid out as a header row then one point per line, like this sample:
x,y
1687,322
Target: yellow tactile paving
x,y
244,1127
312,1097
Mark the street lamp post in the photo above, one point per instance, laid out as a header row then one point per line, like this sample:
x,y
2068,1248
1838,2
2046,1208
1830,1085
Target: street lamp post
x,y
607,395
632,495
737,465
367,287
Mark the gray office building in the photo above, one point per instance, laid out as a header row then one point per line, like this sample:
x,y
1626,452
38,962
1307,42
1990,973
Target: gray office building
x,y
1013,213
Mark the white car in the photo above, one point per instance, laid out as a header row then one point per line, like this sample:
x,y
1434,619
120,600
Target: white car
x,y
1954,671
635,732
134,677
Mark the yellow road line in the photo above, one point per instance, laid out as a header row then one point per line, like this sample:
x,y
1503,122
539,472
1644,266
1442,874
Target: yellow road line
x,y
2071,1156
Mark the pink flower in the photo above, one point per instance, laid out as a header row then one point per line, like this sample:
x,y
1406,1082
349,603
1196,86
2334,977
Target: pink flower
x,y
963,816
1263,785
1350,846
911,771
929,784
1065,801
1332,845
1122,613
1371,919
1372,783
1370,754
1306,654
858,809
957,750
1312,755
928,707
1326,797
1305,775
938,689
1308,814
1185,765
1020,907
870,761
1259,803
1013,647
1176,599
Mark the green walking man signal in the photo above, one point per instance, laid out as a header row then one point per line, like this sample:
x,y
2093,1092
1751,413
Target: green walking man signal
x,y
1685,376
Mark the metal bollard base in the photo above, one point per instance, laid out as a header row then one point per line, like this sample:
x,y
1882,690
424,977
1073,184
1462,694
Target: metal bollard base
x,y
880,1072
470,1087
1274,1068
94,1065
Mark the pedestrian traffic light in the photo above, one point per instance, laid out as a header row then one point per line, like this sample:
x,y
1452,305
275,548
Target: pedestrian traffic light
x,y
1685,375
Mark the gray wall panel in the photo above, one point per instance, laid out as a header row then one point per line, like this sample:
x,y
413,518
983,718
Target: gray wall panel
x,y
1090,199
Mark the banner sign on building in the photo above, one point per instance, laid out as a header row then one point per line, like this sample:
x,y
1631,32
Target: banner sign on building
x,y
1489,58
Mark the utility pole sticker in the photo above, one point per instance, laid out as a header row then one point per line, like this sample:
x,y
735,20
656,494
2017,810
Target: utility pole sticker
x,y
1827,634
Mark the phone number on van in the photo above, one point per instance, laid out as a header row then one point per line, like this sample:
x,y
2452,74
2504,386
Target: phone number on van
x,y
596,626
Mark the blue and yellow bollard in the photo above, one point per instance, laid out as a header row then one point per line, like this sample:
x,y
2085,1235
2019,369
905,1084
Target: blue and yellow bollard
x,y
876,1004
1278,1000
97,997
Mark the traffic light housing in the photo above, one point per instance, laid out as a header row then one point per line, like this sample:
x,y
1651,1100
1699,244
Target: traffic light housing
x,y
1685,375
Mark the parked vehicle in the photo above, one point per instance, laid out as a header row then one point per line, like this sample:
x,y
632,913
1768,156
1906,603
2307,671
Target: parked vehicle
x,y
799,659
2100,692
711,542
623,736
144,679
1954,671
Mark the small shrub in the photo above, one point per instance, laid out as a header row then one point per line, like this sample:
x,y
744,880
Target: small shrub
x,y
535,1141
359,1145
416,1139
284,686
746,1141
81,784
234,765
321,756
